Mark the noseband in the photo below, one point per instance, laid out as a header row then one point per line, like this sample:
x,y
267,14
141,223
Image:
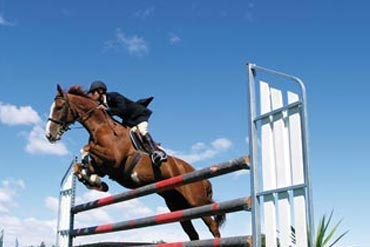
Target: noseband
x,y
63,120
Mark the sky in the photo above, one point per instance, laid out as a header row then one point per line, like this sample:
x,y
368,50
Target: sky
x,y
191,56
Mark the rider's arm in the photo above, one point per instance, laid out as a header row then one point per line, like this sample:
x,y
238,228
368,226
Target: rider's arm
x,y
117,104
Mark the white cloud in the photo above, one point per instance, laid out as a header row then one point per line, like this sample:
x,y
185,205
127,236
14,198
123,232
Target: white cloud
x,y
14,183
4,22
167,232
135,208
90,195
37,143
135,45
249,12
8,191
96,217
221,144
144,13
14,115
174,39
130,209
19,228
162,210
200,151
27,229
240,173
199,146
52,203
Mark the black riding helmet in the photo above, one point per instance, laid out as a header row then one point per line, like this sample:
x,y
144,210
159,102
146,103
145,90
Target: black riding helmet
x,y
96,85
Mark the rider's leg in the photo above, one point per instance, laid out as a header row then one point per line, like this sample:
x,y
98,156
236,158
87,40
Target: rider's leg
x,y
157,154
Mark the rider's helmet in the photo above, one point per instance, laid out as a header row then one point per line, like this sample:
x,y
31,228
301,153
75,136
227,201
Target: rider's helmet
x,y
96,85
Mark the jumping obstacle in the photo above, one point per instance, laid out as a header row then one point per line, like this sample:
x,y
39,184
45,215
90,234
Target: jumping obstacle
x,y
281,196
66,233
280,180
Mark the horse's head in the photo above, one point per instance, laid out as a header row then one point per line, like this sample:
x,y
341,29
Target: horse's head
x,y
60,117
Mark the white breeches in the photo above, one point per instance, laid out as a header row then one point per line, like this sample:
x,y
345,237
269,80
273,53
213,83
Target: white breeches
x,y
142,127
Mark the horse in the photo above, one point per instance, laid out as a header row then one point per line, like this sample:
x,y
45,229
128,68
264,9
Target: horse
x,y
112,153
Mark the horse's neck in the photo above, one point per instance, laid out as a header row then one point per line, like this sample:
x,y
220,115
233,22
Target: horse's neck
x,y
89,116
95,120
98,119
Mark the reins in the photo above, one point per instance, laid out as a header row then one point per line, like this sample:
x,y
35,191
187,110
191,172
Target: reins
x,y
63,121
77,115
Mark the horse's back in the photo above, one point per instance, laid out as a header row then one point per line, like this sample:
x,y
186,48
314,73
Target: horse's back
x,y
177,166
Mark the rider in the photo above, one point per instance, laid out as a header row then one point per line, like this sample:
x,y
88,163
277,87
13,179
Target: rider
x,y
133,114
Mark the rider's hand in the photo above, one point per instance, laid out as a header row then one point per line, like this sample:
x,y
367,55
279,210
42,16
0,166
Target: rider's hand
x,y
102,107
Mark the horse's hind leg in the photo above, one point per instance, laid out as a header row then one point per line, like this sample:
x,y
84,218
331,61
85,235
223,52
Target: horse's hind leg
x,y
212,226
175,201
190,230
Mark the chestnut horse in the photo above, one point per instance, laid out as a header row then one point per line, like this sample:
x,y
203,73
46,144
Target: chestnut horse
x,y
112,153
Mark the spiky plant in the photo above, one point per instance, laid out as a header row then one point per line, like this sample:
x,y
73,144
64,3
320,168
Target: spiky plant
x,y
324,236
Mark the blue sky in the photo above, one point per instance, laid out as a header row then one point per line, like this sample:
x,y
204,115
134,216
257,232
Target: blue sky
x,y
191,56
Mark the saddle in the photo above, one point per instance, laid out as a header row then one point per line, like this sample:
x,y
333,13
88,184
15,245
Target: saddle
x,y
137,141
157,157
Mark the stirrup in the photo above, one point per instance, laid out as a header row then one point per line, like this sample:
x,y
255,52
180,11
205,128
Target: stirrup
x,y
158,157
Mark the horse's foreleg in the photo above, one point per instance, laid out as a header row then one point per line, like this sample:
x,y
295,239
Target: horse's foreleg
x,y
90,180
86,173
85,154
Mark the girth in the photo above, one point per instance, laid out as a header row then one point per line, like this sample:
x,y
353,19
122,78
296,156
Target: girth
x,y
131,166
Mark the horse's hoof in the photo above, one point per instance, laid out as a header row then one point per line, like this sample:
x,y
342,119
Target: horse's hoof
x,y
104,187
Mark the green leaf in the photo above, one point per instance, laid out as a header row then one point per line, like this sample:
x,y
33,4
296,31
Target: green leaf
x,y
324,235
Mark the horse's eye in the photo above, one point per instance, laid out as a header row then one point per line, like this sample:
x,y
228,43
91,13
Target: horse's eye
x,y
58,107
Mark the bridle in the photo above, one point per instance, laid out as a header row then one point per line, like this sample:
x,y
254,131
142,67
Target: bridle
x,y
64,126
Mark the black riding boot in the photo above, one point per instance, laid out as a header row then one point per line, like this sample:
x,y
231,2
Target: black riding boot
x,y
157,154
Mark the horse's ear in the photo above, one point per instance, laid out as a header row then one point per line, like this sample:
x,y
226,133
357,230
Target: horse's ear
x,y
60,90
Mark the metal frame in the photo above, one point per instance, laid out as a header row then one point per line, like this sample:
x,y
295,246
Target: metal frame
x,y
69,194
254,119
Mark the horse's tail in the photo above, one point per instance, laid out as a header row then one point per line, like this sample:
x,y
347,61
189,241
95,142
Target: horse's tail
x,y
219,218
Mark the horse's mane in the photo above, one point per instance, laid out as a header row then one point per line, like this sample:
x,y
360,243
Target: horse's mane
x,y
78,90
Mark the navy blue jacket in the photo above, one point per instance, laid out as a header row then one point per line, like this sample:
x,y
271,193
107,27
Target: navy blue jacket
x,y
131,112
